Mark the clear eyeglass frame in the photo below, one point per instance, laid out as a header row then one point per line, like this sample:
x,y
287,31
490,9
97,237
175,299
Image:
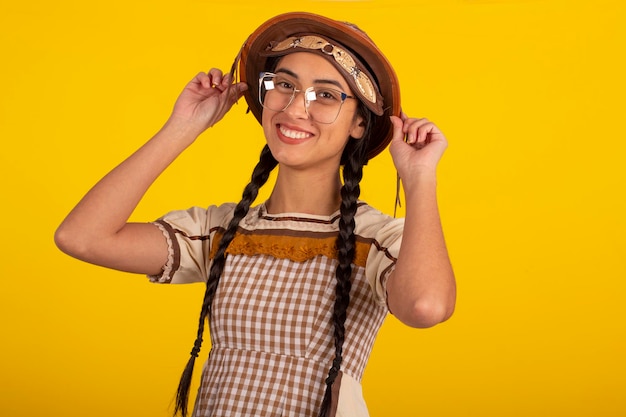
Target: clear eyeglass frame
x,y
310,95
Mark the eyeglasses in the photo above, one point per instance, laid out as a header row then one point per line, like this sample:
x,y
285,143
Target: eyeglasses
x,y
322,104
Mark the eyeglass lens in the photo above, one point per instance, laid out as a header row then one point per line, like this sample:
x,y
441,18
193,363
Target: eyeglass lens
x,y
322,104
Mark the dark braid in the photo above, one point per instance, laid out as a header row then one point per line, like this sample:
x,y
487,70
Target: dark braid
x,y
353,158
260,176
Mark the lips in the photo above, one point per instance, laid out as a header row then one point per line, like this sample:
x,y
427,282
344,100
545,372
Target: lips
x,y
293,133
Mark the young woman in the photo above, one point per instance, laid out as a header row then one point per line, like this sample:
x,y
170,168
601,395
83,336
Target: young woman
x,y
298,286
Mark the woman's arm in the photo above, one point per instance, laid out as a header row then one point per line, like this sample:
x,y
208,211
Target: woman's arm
x,y
421,291
97,229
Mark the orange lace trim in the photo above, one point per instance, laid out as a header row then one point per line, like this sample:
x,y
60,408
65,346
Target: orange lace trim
x,y
295,248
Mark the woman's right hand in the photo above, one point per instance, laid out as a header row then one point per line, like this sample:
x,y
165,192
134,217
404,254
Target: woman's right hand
x,y
97,229
206,99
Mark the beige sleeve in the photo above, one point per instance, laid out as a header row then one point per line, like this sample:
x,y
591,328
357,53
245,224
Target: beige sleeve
x,y
382,257
189,234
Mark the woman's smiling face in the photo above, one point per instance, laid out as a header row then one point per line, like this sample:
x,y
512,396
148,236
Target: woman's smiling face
x,y
296,139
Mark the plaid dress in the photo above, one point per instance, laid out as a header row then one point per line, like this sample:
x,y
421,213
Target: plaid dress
x,y
271,329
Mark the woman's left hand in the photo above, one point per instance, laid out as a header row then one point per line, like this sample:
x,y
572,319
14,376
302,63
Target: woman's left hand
x,y
416,147
421,291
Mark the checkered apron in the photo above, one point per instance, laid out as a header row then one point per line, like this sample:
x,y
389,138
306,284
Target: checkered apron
x,y
271,335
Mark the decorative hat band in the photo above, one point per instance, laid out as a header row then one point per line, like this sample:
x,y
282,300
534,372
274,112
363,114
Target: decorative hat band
x,y
342,58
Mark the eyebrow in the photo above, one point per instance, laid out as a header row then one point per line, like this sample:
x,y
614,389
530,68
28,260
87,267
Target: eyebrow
x,y
318,81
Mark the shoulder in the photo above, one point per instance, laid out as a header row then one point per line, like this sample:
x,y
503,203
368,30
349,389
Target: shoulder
x,y
199,218
370,222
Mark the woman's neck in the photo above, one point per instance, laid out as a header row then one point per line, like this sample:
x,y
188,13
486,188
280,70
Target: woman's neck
x,y
300,192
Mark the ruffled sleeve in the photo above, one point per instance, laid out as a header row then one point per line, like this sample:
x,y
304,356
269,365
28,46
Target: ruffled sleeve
x,y
386,234
189,235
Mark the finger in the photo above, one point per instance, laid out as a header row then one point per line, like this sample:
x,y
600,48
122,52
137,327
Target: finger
x,y
415,123
215,76
411,126
421,129
241,88
398,132
227,79
422,133
414,128
201,80
427,131
235,91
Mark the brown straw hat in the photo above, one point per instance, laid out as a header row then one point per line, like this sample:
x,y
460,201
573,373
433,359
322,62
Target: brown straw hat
x,y
365,68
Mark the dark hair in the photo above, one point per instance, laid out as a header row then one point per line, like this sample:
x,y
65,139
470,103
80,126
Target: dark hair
x,y
353,158
260,176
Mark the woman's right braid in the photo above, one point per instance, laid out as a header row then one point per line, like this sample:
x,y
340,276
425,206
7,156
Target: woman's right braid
x,y
260,176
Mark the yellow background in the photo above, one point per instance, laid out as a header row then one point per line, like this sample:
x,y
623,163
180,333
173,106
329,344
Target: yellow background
x,y
531,97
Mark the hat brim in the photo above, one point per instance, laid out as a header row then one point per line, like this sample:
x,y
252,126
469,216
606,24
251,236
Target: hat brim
x,y
280,27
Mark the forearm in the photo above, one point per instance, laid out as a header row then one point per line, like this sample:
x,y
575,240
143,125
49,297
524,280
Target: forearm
x,y
421,290
97,229
105,209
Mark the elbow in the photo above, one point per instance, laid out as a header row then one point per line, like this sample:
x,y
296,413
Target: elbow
x,y
69,242
63,240
424,313
422,303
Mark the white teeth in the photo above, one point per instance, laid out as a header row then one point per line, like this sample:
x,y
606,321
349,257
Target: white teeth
x,y
294,134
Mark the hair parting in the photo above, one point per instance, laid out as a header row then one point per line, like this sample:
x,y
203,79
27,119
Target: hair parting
x,y
260,176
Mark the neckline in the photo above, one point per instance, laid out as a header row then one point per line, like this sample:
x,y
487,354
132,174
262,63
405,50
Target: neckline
x,y
330,218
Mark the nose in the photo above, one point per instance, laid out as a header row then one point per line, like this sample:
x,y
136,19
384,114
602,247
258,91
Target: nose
x,y
298,106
